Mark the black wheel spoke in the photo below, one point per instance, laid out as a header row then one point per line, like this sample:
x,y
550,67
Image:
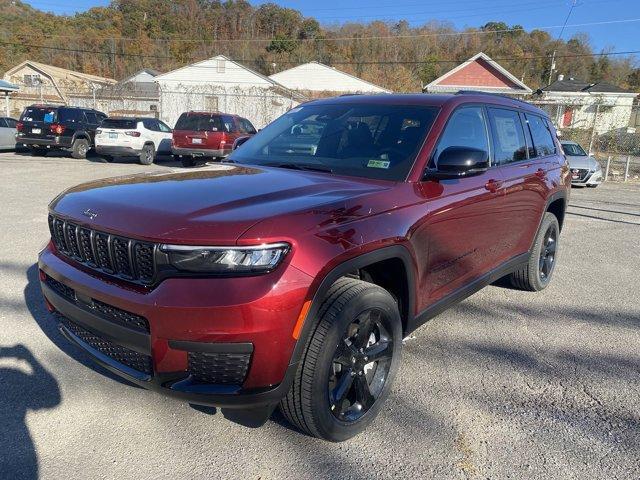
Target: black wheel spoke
x,y
344,353
363,394
342,388
380,350
365,327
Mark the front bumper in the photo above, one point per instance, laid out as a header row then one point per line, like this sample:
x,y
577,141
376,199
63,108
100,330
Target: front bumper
x,y
200,152
591,178
118,151
253,321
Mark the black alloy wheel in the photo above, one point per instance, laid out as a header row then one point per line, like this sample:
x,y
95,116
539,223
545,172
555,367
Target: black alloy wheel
x,y
547,259
360,366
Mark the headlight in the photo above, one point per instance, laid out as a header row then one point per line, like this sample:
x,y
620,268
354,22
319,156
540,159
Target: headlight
x,y
226,260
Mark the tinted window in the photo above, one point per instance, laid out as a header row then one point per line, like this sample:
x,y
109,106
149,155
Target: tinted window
x,y
39,114
466,128
11,123
374,141
508,136
121,123
246,126
92,118
574,150
151,124
229,124
211,123
542,139
3,123
70,115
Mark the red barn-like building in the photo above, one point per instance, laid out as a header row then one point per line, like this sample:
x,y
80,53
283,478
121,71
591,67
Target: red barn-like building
x,y
480,73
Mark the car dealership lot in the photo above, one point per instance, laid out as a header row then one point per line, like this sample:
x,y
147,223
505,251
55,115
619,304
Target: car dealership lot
x,y
506,384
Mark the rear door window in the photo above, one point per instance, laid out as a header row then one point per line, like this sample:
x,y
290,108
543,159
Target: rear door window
x,y
229,124
509,144
3,123
92,118
11,123
70,115
542,139
246,126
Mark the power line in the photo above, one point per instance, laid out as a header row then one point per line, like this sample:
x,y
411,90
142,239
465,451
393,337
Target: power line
x,y
351,62
334,39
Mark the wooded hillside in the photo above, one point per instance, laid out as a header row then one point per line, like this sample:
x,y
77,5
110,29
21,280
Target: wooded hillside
x,y
164,34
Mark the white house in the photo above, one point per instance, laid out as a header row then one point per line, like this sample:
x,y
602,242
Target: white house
x,y
582,105
316,79
137,95
6,89
220,84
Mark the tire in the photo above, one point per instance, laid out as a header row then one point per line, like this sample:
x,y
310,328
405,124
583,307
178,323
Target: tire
x,y
311,403
107,158
38,152
187,161
592,186
536,274
148,154
80,148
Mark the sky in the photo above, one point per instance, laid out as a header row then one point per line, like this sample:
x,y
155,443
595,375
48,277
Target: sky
x,y
462,13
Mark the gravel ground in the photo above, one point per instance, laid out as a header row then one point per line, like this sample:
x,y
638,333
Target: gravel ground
x,y
505,385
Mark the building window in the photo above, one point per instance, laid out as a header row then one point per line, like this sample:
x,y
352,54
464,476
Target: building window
x,y
32,80
211,104
153,108
220,66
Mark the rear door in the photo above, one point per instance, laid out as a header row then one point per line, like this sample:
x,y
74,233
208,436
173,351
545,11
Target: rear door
x,y
164,137
524,188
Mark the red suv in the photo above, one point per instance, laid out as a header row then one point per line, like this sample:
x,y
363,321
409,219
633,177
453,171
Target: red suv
x,y
207,135
290,275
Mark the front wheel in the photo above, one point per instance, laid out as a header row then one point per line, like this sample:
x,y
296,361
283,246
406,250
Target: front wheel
x,y
148,154
349,362
536,274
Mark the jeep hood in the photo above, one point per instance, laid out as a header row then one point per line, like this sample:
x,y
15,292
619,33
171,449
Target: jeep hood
x,y
211,205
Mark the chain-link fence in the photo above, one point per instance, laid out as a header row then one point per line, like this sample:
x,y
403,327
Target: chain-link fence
x,y
610,134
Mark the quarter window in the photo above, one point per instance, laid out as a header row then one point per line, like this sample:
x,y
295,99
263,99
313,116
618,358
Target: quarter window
x,y
508,136
542,139
466,128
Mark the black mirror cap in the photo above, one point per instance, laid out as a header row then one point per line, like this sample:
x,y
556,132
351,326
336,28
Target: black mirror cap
x,y
459,162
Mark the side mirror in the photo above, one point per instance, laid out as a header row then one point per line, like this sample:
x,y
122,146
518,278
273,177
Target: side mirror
x,y
459,162
239,141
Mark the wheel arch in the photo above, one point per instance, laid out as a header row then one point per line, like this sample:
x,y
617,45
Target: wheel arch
x,y
557,205
396,258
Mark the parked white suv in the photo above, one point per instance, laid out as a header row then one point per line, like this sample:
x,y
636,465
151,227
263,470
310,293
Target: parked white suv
x,y
144,138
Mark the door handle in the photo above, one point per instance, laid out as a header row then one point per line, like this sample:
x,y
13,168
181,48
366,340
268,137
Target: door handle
x,y
541,173
493,185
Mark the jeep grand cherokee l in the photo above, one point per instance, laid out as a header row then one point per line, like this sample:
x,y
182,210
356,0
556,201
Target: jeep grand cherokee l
x,y
289,277
44,128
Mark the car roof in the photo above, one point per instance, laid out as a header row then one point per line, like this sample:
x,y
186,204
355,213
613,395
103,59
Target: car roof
x,y
431,100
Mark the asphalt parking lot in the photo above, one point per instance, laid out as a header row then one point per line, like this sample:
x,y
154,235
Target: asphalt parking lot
x,y
507,384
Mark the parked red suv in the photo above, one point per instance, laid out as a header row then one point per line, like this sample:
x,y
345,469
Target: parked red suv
x,y
207,135
289,276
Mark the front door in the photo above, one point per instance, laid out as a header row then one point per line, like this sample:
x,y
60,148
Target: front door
x,y
465,215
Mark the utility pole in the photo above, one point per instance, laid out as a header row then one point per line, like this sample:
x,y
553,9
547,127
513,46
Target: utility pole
x,y
552,68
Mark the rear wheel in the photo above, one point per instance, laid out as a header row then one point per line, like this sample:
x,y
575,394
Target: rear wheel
x,y
38,152
536,274
107,158
80,148
187,161
147,155
348,364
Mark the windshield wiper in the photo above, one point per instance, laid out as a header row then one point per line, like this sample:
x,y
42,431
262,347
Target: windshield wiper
x,y
301,166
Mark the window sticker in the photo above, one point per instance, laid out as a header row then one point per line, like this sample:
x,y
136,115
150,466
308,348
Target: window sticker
x,y
379,164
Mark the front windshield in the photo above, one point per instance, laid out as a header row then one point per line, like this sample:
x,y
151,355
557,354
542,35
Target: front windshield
x,y
373,141
573,149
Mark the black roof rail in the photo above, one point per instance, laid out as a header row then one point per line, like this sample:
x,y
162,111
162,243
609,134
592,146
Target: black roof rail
x,y
480,92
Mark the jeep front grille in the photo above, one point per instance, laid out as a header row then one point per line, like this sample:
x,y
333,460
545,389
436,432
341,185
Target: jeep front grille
x,y
125,258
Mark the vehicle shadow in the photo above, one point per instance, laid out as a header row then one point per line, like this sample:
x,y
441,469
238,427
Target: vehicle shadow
x,y
19,393
49,326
